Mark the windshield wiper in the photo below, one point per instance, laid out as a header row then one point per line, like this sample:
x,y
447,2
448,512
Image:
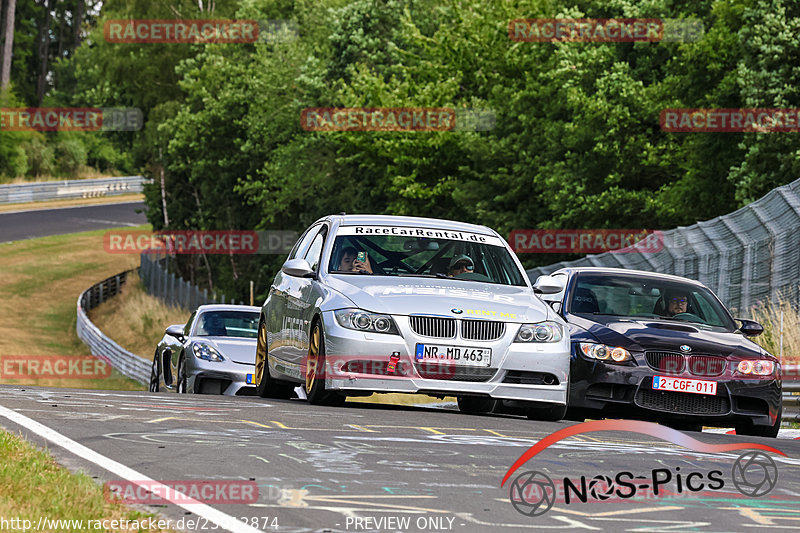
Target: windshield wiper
x,y
438,275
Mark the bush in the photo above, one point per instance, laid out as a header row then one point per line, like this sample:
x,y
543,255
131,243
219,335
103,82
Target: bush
x,y
71,156
40,156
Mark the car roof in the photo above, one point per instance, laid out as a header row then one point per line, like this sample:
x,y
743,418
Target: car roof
x,y
417,222
227,307
612,270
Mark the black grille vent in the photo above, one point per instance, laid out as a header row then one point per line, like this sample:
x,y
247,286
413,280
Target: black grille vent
x,y
451,372
683,403
667,362
706,365
433,326
482,330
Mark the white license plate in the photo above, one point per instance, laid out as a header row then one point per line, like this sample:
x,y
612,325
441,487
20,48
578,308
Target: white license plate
x,y
695,386
459,355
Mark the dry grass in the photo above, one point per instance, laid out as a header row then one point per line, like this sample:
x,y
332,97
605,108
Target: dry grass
x,y
33,485
769,316
136,320
73,202
39,287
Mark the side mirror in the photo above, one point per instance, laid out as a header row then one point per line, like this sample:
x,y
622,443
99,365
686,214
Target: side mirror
x,y
547,285
298,268
176,330
750,327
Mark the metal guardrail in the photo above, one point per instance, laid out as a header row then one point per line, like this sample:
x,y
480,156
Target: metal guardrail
x,y
791,393
57,190
129,364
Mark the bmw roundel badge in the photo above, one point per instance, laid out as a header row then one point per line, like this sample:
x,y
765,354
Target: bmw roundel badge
x,y
457,310
686,348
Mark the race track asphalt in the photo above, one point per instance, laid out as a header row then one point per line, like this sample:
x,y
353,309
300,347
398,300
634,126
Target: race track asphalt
x,y
20,225
371,467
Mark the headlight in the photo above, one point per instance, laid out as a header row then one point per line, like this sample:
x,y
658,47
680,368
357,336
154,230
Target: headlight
x,y
205,351
540,332
361,320
615,354
756,367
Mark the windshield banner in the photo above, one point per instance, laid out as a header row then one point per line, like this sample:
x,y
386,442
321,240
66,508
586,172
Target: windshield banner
x,y
426,233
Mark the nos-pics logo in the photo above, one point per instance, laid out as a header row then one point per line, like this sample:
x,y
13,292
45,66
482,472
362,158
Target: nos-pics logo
x,y
533,493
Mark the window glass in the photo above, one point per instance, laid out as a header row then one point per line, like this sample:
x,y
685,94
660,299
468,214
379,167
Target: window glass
x,y
243,324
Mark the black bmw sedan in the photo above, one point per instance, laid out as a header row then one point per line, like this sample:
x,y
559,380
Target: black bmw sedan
x,y
663,348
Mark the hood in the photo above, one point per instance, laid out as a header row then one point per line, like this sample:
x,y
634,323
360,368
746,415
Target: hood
x,y
234,349
653,334
433,296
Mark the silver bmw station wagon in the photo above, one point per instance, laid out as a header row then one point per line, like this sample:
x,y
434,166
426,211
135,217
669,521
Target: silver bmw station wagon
x,y
368,304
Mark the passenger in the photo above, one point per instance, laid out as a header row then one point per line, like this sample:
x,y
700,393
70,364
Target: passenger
x,y
350,264
459,265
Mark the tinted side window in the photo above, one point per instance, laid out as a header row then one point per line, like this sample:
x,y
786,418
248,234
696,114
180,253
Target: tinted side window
x,y
302,245
315,249
187,328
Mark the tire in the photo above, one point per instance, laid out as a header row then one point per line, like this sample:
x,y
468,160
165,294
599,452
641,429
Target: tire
x,y
315,373
576,414
761,431
474,405
549,414
266,386
181,388
155,379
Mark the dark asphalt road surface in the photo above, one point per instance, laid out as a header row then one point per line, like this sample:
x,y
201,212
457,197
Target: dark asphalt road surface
x,y
17,226
368,467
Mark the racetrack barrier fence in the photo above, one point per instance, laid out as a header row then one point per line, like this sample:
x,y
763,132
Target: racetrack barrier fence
x,y
127,363
172,289
748,257
67,189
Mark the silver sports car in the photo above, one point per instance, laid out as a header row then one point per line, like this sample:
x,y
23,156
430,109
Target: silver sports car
x,y
213,353
400,304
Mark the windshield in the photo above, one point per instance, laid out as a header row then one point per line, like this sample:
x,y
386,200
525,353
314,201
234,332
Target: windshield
x,y
228,324
418,252
643,297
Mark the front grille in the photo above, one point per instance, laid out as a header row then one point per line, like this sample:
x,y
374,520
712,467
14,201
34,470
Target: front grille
x,y
706,365
671,363
482,330
451,372
681,402
519,377
432,326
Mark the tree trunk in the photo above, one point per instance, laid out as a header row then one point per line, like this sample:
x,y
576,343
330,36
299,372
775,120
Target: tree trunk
x,y
76,24
8,44
44,53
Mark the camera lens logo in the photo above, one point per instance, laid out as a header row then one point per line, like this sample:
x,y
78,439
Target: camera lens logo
x,y
754,474
532,493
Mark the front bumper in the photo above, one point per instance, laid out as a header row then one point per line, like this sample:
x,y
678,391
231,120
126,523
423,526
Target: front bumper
x,y
219,377
358,361
614,389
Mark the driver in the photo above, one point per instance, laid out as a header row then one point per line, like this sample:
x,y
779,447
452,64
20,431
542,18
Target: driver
x,y
677,302
459,265
349,263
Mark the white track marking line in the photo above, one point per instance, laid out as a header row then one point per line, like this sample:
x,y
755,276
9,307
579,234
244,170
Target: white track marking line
x,y
224,521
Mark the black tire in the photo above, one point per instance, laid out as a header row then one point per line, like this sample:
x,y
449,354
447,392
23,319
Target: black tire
x,y
476,405
154,374
550,414
265,385
576,414
182,381
315,371
761,431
